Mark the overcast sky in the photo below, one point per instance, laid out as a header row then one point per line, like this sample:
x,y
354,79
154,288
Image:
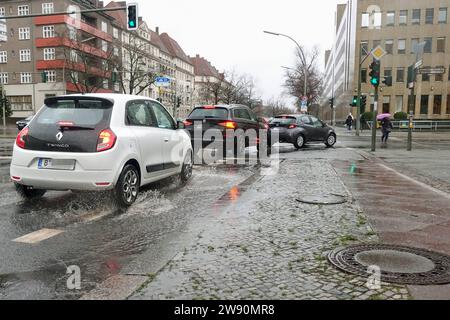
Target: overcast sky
x,y
229,33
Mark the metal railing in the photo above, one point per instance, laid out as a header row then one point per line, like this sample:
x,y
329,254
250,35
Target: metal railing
x,y
419,125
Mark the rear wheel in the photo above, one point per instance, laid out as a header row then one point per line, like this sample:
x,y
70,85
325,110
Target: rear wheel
x,y
186,170
331,141
127,188
29,193
299,141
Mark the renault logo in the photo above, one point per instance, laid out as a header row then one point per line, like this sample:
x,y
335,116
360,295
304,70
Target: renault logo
x,y
59,136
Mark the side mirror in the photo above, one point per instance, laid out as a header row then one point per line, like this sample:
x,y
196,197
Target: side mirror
x,y
180,125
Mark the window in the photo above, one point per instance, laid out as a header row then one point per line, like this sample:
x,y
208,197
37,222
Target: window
x,y
21,103
443,15
26,77
49,54
3,78
242,114
448,104
428,45
138,114
2,12
316,122
377,16
116,33
72,33
48,8
440,45
365,20
425,77
424,104
3,57
74,76
23,10
386,104
376,43
437,104
389,46
363,75
439,77
25,55
48,31
398,103
163,118
24,33
73,56
401,46
105,84
116,51
429,16
104,46
416,16
414,44
400,75
51,75
403,17
390,18
388,72
104,27
364,48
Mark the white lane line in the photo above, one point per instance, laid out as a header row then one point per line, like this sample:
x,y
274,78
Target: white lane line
x,y
5,158
38,236
421,184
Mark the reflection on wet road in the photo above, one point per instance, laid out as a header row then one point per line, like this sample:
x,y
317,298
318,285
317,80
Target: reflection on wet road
x,y
100,239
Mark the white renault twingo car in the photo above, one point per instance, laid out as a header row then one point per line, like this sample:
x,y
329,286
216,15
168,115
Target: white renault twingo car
x,y
97,142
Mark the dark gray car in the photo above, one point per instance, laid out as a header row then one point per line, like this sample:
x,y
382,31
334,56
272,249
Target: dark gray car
x,y
302,129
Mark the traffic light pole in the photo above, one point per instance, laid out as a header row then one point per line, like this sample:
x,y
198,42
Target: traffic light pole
x,y
412,104
374,120
358,104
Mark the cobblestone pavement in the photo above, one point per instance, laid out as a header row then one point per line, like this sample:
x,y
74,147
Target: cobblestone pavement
x,y
266,245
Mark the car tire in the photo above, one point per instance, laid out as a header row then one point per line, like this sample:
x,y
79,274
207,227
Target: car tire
x,y
28,193
186,168
331,140
127,187
299,141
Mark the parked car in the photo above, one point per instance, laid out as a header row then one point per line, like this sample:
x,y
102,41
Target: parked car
x,y
302,129
98,142
23,123
223,118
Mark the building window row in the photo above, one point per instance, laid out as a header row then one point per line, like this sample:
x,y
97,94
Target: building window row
x,y
440,46
415,16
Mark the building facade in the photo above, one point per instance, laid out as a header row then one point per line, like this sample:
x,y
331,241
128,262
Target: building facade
x,y
397,26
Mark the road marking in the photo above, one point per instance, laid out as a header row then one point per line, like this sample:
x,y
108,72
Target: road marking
x,y
421,184
5,158
38,236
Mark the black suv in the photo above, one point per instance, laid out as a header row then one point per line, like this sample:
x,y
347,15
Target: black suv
x,y
301,129
225,118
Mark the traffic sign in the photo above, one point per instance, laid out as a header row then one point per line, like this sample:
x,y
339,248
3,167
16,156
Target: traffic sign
x,y
162,82
378,52
430,70
418,64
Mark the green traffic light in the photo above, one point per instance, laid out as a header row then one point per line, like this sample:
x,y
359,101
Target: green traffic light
x,y
132,24
374,81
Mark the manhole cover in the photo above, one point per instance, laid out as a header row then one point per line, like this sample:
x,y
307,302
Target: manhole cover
x,y
327,199
398,264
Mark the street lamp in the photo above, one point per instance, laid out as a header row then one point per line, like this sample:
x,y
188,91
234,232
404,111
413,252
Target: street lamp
x,y
302,54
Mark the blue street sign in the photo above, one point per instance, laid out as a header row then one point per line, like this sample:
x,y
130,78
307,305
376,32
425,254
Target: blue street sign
x,y
162,81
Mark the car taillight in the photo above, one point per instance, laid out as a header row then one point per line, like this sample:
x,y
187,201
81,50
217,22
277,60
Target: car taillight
x,y
20,140
292,126
187,123
209,107
106,140
228,124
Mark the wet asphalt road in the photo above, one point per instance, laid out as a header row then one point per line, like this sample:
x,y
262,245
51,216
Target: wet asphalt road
x,y
103,241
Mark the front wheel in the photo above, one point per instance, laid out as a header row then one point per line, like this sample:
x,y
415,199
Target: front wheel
x,y
29,193
127,188
186,170
331,141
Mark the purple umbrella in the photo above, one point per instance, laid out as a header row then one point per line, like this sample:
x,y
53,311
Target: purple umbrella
x,y
384,116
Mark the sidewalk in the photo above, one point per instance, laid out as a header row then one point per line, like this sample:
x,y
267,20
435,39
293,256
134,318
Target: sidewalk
x,y
264,244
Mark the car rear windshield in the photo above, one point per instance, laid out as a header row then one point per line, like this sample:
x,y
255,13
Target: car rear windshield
x,y
204,113
83,113
283,120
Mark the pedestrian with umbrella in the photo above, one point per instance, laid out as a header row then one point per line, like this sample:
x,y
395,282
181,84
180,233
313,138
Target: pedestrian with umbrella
x,y
349,122
386,127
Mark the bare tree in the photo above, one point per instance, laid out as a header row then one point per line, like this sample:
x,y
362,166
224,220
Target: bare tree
x,y
133,68
86,66
240,89
295,78
211,90
275,107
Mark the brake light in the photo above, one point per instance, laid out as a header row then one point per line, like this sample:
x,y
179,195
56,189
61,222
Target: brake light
x,y
228,124
209,107
20,140
187,123
292,126
66,124
106,140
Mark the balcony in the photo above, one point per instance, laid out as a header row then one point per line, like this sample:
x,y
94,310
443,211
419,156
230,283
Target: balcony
x,y
63,19
76,66
65,42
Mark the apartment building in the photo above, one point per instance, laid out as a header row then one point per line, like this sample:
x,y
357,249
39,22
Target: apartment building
x,y
48,56
398,26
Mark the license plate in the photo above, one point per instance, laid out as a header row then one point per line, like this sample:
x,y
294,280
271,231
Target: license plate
x,y
56,164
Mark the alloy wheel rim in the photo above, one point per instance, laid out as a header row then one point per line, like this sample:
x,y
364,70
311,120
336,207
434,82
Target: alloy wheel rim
x,y
300,141
188,167
130,188
331,140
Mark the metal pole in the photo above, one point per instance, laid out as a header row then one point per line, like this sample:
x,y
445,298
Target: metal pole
x,y
358,103
412,104
374,121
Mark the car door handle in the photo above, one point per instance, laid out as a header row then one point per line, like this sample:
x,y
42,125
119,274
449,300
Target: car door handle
x,y
166,139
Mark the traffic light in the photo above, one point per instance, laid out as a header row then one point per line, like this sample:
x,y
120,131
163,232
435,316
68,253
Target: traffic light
x,y
363,104
331,103
388,81
132,10
354,101
374,74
